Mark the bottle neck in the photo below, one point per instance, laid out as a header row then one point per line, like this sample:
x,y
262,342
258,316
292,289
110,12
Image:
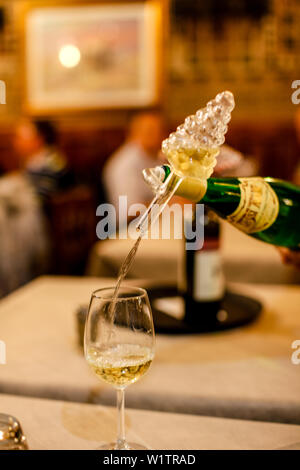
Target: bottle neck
x,y
222,195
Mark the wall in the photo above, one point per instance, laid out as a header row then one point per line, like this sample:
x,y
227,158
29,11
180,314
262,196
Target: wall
x,y
255,57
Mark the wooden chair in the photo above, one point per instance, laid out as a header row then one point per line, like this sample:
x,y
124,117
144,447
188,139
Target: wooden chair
x,y
72,225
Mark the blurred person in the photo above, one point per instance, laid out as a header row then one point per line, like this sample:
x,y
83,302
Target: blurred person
x,y
23,234
46,167
122,174
24,239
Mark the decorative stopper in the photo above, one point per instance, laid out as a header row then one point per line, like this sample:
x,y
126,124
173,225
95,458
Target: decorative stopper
x,y
193,148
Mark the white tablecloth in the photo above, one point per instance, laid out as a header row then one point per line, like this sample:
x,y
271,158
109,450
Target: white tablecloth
x,y
244,259
61,425
244,373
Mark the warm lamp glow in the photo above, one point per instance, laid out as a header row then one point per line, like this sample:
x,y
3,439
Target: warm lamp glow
x,y
69,55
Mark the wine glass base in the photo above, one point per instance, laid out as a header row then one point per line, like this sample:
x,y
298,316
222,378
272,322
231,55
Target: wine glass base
x,y
130,446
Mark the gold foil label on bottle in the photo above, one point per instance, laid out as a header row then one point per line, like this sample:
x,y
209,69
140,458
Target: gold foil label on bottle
x,y
258,207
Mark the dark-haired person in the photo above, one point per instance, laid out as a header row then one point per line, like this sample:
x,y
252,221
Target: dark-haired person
x,y
36,145
122,173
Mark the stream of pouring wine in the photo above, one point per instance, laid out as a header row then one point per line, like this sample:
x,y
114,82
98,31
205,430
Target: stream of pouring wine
x,y
154,210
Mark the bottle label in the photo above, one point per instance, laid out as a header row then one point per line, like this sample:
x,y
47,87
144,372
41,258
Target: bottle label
x,y
258,207
209,282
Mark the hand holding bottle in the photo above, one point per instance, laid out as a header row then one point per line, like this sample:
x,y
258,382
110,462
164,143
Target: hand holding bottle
x,y
290,256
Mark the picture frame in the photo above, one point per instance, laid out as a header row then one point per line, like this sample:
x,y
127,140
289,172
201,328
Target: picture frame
x,y
93,56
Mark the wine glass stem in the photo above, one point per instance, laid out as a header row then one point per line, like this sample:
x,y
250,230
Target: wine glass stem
x,y
121,442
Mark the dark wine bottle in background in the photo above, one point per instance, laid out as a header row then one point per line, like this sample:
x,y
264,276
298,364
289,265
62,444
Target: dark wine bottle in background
x,y
204,282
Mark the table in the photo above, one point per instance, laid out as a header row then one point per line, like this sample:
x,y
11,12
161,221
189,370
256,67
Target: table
x,y
244,258
245,373
57,425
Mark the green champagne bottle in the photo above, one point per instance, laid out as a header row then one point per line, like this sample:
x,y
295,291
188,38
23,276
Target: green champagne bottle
x,y
265,208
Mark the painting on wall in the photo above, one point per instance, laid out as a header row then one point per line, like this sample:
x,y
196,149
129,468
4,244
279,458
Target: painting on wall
x,y
92,56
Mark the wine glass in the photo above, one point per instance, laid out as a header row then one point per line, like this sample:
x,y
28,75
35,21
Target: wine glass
x,y
119,344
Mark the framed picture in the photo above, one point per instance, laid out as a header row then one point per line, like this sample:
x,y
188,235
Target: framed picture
x,y
93,55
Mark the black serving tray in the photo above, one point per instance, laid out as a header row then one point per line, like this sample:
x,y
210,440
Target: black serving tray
x,y
240,310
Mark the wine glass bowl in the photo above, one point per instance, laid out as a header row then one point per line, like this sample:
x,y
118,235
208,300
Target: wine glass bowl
x,y
119,343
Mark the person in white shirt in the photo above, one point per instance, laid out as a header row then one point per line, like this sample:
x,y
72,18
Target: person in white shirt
x,y
122,174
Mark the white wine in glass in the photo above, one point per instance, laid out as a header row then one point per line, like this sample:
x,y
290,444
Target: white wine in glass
x,y
119,344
